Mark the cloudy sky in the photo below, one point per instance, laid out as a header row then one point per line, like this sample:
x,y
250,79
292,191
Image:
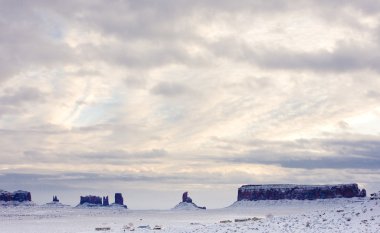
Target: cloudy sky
x,y
153,98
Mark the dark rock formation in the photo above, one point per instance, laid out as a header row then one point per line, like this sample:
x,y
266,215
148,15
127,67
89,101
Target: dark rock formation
x,y
375,196
19,196
187,203
5,196
94,200
55,203
22,196
119,199
298,192
186,198
363,193
55,199
105,201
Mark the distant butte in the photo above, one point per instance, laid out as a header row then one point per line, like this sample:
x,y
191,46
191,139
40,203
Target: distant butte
x,y
96,201
187,203
20,196
298,192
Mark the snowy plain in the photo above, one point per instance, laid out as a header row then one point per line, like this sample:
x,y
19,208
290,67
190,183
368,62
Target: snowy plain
x,y
330,215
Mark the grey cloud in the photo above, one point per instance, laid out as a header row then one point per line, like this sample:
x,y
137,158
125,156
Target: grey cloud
x,y
334,163
164,19
348,56
366,6
313,162
136,82
68,180
122,156
373,94
52,129
344,58
337,154
9,110
343,125
167,25
251,83
26,41
48,129
170,89
106,157
21,95
93,128
14,101
84,73
129,54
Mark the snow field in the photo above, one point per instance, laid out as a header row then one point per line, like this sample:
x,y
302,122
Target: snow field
x,y
333,215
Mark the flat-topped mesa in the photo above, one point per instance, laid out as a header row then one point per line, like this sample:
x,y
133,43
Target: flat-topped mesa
x,y
20,196
92,200
96,201
298,192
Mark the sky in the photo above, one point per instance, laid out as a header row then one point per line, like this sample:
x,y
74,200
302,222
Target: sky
x,y
154,98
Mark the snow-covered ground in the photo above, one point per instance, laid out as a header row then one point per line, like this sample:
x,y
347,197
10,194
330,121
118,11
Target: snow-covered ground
x,y
334,215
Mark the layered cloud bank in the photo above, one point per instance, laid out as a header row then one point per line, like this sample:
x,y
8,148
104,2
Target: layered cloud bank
x,y
147,94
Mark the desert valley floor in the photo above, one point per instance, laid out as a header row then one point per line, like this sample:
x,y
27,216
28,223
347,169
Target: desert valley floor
x,y
333,215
